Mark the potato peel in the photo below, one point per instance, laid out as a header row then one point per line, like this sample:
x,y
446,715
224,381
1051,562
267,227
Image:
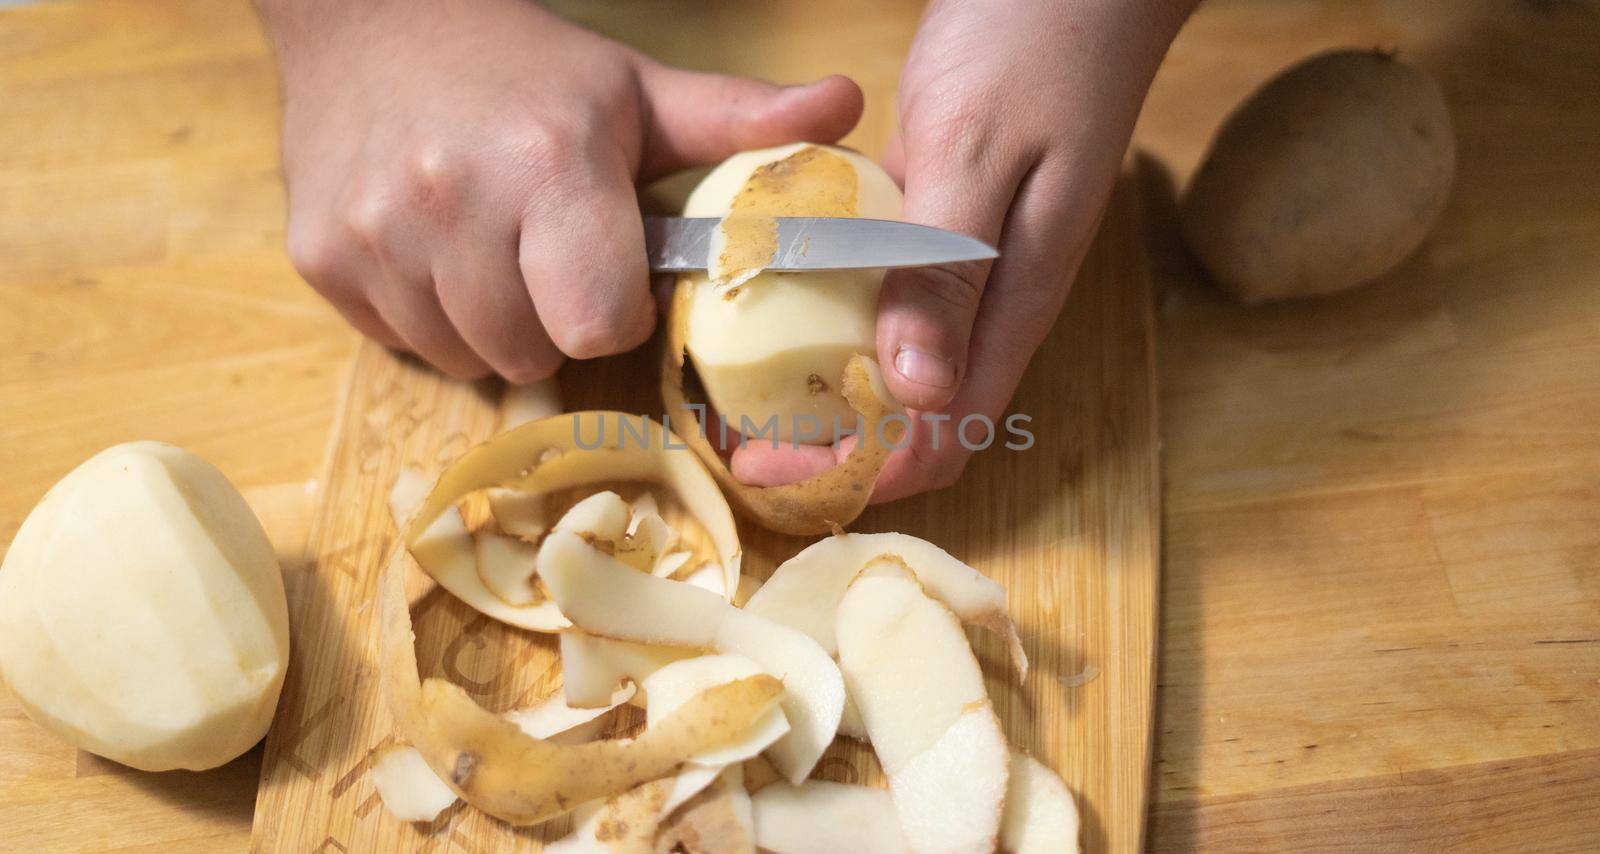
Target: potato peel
x,y
545,456
804,591
625,824
1040,816
938,740
716,820
821,817
679,681
592,667
493,765
603,596
408,788
517,513
556,719
449,555
505,566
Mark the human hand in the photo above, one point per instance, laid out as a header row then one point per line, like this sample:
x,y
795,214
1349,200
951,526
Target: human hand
x,y
1014,117
461,175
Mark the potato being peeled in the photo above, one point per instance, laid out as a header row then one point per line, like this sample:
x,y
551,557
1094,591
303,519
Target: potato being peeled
x,y
1327,177
784,356
142,612
770,347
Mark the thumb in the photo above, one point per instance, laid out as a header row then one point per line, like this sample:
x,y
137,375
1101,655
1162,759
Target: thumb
x,y
925,314
694,119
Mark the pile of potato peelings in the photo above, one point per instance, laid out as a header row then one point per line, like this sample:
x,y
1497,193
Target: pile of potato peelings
x,y
744,685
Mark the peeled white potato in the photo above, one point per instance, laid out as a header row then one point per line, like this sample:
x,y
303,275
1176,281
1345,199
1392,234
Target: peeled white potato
x,y
142,614
776,345
912,674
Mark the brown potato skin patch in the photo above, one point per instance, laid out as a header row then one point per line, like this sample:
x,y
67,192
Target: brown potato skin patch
x,y
810,182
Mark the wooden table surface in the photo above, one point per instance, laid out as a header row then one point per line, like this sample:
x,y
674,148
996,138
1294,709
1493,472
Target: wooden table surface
x,y
1381,596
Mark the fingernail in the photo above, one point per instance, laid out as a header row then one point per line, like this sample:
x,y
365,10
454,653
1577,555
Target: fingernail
x,y
925,368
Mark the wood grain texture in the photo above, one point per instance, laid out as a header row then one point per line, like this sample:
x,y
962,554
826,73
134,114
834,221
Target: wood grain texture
x,y
144,294
1380,519
1382,578
1068,526
1532,804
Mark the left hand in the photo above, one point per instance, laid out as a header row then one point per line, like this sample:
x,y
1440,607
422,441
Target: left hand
x,y
1014,118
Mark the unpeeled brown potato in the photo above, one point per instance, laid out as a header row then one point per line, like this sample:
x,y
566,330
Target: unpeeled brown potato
x,y
1328,176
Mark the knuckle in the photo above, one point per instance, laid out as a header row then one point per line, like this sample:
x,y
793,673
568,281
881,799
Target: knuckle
x,y
966,132
589,338
542,147
602,321
447,353
963,134
960,129
371,217
434,175
551,169
957,287
314,253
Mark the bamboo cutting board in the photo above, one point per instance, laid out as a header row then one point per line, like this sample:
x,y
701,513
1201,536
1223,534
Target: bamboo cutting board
x,y
1069,527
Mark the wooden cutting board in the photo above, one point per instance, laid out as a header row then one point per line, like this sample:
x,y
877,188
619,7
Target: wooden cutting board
x,y
1070,527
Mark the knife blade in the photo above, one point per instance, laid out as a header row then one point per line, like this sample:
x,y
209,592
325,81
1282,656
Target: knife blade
x,y
679,244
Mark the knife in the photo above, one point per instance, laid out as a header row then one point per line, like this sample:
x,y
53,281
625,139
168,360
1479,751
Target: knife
x,y
679,244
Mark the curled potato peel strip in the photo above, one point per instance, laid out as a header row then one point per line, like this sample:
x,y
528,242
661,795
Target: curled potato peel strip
x,y
493,765
545,456
804,591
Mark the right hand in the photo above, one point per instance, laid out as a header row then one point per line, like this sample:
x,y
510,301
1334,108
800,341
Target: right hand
x,y
461,176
